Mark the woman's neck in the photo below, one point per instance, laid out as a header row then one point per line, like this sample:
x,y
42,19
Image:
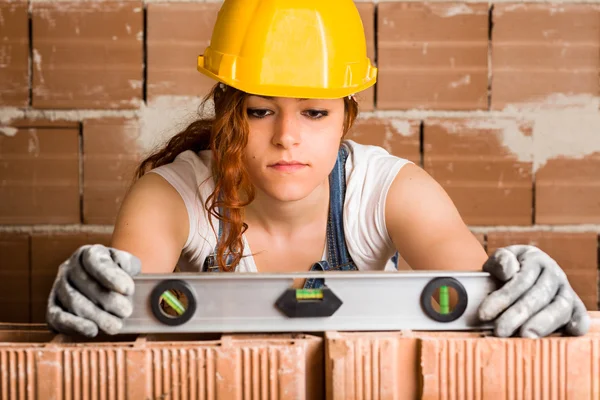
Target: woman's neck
x,y
285,219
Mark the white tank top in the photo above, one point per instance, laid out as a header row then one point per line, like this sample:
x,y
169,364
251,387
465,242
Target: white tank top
x,y
370,170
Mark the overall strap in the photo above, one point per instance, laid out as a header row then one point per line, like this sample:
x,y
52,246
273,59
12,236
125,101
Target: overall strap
x,y
210,263
338,255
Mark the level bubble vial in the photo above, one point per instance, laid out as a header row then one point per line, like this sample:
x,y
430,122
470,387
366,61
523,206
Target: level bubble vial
x,y
173,302
444,299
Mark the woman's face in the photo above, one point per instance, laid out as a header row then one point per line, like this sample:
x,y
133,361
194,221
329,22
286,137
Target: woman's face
x,y
293,144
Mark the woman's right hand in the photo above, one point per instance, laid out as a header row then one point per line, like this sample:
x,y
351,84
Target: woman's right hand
x,y
92,291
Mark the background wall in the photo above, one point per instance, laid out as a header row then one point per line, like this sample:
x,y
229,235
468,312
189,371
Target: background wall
x,y
497,101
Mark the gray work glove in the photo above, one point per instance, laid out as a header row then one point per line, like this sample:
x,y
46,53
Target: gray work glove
x,y
536,299
92,291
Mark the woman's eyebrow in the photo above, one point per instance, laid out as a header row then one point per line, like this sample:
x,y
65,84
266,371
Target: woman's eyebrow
x,y
272,98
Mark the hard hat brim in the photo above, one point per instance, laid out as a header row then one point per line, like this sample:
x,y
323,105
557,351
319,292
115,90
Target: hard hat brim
x,y
290,90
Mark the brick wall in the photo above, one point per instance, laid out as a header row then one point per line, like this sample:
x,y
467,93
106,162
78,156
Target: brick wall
x,y
499,102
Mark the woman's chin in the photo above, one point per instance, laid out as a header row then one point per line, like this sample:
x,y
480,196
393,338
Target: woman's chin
x,y
289,192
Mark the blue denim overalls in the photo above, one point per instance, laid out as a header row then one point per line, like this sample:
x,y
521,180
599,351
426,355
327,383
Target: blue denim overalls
x,y
338,257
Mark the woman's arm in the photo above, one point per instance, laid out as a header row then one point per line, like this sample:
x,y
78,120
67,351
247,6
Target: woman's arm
x,y
426,227
152,224
429,233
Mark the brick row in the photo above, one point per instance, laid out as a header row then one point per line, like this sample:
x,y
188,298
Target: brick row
x,y
37,364
29,262
439,55
399,365
497,170
460,365
488,165
64,172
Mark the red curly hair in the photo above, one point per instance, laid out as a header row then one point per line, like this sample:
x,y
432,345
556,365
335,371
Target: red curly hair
x,y
226,135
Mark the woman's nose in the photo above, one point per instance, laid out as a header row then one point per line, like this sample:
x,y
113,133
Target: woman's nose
x,y
287,131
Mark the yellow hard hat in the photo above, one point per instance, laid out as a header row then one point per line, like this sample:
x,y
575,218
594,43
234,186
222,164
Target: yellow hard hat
x,y
289,48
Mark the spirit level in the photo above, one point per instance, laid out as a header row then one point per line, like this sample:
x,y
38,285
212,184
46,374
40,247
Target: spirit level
x,y
349,301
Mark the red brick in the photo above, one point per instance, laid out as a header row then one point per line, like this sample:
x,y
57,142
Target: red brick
x,y
48,251
39,171
576,253
309,382
110,157
87,54
177,34
488,183
366,98
509,368
14,277
542,49
432,55
377,365
567,191
400,137
14,53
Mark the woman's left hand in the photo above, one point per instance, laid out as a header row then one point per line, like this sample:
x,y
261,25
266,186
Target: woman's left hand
x,y
536,298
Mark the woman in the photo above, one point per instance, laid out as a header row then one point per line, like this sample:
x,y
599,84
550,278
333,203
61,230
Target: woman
x,y
269,184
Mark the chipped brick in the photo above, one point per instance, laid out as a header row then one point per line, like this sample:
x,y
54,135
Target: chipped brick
x,y
432,55
39,171
177,34
567,191
400,137
484,165
87,54
540,50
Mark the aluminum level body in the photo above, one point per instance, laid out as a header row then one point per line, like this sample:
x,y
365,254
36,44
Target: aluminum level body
x,y
371,301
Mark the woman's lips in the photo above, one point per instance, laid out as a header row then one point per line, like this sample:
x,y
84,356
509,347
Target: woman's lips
x,y
285,166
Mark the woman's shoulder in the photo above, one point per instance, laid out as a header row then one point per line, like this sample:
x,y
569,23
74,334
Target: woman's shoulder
x,y
189,167
190,173
201,159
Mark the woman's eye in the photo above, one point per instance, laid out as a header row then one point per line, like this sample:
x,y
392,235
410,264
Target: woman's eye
x,y
257,112
316,114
